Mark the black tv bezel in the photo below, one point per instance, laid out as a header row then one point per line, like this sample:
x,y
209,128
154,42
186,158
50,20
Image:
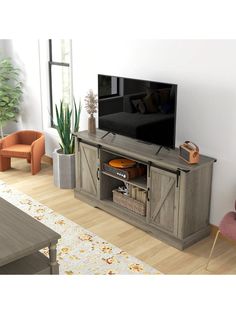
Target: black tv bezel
x,y
115,95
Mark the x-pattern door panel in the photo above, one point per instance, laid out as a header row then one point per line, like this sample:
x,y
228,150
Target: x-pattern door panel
x,y
88,169
164,199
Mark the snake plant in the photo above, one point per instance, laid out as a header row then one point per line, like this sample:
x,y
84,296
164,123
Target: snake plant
x,y
65,127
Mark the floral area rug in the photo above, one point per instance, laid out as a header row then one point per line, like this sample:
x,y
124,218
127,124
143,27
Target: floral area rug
x,y
79,251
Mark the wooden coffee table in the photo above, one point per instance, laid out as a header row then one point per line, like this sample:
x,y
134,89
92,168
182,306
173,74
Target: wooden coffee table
x,y
21,238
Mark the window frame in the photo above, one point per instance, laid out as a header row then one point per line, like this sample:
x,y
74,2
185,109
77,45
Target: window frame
x,y
117,88
50,64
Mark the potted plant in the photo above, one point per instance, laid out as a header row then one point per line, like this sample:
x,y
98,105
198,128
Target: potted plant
x,y
91,107
10,92
64,157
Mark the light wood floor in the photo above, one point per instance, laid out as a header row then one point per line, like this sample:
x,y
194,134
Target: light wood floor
x,y
136,242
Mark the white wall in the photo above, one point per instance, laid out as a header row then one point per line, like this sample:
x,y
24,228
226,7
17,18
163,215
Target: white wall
x,y
31,56
24,54
3,47
205,71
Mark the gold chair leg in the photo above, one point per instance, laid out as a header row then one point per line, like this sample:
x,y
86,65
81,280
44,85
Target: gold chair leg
x,y
212,249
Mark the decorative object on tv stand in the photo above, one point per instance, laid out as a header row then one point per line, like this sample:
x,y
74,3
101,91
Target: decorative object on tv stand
x,y
91,103
189,152
10,92
64,157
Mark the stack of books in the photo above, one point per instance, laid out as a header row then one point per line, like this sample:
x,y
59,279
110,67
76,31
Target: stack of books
x,y
138,194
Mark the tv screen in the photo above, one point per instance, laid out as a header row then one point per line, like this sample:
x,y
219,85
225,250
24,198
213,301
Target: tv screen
x,y
144,110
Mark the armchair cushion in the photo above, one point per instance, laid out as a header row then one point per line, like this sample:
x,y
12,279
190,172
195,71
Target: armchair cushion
x,y
18,150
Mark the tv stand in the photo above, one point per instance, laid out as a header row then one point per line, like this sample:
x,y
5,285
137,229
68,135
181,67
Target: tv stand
x,y
174,197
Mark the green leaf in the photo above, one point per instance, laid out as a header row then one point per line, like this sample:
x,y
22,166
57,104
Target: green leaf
x,y
64,125
6,99
10,104
10,115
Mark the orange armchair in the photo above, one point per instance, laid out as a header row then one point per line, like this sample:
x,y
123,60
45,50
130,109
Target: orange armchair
x,y
26,144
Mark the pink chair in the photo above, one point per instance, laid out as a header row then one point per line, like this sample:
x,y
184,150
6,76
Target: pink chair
x,y
227,228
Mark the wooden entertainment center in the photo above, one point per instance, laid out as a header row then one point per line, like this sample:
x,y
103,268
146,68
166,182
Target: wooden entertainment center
x,y
177,205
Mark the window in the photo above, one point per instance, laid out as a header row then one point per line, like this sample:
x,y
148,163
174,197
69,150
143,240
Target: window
x,y
59,74
108,86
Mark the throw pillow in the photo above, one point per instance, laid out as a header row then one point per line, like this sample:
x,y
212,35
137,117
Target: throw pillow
x,y
142,108
139,105
150,103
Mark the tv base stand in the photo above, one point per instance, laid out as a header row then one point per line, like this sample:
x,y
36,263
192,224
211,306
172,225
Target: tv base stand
x,y
159,149
171,200
107,134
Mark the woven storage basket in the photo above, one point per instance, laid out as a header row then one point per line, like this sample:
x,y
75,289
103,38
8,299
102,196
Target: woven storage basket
x,y
130,203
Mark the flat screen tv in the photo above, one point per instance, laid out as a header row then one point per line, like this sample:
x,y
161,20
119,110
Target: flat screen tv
x,y
140,109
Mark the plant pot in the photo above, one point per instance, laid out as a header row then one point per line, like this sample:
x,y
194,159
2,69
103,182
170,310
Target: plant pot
x,y
63,169
91,125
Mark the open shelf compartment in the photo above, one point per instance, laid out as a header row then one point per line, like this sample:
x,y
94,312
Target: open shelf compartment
x,y
135,200
139,181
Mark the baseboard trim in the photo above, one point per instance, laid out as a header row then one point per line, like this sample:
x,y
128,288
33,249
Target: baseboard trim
x,y
47,159
214,229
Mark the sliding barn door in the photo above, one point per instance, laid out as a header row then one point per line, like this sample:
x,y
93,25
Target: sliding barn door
x,y
88,170
164,198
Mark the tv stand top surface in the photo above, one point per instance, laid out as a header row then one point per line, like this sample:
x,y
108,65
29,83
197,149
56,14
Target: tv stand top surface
x,y
141,151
